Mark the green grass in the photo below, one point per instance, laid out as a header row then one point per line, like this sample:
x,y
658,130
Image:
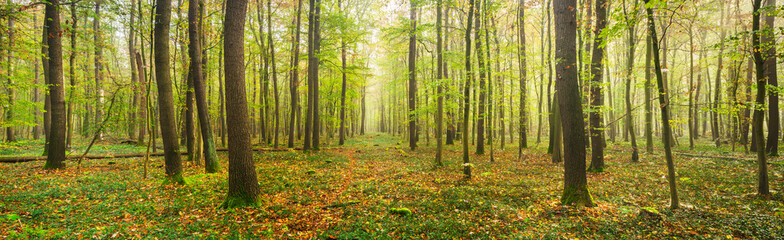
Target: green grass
x,y
349,192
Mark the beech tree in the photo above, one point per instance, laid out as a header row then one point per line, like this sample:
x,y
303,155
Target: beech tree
x,y
243,183
575,183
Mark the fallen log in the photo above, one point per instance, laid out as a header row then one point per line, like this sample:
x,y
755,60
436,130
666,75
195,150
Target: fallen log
x,y
20,159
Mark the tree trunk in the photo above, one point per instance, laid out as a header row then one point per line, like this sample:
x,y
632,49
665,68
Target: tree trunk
x,y
9,114
132,117
243,183
768,40
467,89
294,75
666,130
196,73
523,68
165,95
412,84
597,101
56,135
98,61
629,73
342,134
482,91
575,183
439,86
648,96
759,111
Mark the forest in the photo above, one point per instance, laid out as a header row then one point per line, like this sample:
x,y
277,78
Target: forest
x,y
402,119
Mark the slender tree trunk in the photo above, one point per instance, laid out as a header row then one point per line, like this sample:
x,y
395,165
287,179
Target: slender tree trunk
x,y
132,112
629,72
663,105
36,94
412,84
274,74
196,73
467,88
9,114
294,74
56,135
48,81
759,110
342,139
523,68
768,40
481,89
717,89
439,86
165,95
98,61
597,100
648,96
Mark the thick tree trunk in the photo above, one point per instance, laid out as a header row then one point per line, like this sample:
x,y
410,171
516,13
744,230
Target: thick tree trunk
x,y
575,183
56,135
243,183
165,96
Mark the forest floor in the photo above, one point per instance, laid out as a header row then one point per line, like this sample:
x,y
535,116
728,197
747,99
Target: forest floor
x,y
348,193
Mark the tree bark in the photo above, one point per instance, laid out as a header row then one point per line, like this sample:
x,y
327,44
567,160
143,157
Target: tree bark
x,y
98,61
597,100
482,91
663,105
243,183
294,75
9,114
56,135
439,86
467,89
768,40
342,133
523,68
165,96
412,84
196,73
759,110
575,183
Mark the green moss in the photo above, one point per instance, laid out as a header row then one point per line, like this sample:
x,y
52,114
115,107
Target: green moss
x,y
174,179
596,170
650,209
239,200
579,196
400,211
50,166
